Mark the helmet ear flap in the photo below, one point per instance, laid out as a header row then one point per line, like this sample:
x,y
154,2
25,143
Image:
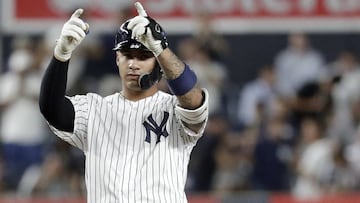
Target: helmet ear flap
x,y
148,80
157,72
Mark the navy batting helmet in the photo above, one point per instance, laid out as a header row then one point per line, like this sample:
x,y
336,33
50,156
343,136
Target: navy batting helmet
x,y
124,42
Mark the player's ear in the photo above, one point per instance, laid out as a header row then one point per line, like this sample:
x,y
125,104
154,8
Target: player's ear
x,y
117,59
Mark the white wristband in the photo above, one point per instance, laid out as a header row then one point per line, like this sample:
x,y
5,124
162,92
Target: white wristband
x,y
60,54
194,116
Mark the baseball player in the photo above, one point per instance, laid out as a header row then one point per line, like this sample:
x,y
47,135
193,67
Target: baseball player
x,y
137,142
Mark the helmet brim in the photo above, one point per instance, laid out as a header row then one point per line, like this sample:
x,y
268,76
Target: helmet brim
x,y
129,45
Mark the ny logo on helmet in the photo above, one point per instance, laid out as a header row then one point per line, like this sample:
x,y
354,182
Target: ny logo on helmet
x,y
151,126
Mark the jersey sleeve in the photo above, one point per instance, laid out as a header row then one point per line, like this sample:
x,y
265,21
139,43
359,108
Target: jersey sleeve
x,y
199,115
79,136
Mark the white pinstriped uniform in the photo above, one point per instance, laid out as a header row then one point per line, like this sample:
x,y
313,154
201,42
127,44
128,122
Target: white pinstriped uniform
x,y
120,165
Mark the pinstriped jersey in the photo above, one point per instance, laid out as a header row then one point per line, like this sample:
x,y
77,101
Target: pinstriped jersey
x,y
136,151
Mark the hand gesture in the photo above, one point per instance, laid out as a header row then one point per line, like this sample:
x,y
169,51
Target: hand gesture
x,y
147,31
72,33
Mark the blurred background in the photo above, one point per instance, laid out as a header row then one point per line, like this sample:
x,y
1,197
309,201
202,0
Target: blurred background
x,y
284,81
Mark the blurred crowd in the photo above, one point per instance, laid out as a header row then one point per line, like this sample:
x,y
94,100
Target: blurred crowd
x,y
293,128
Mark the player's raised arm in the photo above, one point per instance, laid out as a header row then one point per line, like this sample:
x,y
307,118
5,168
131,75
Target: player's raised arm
x,y
181,79
54,106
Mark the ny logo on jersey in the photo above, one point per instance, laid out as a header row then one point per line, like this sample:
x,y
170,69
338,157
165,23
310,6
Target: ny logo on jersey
x,y
159,130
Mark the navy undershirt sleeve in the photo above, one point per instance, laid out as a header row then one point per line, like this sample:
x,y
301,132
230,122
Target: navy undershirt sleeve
x,y
55,107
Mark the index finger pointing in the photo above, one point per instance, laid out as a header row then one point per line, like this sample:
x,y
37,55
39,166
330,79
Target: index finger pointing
x,y
78,12
140,9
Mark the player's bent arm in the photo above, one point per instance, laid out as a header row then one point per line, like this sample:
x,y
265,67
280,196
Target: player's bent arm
x,y
193,103
173,67
54,106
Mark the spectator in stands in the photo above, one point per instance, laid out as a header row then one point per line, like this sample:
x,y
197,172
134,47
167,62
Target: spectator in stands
x,y
345,92
23,129
314,157
257,97
273,156
211,74
233,162
297,65
309,101
208,39
341,176
352,156
205,51
60,175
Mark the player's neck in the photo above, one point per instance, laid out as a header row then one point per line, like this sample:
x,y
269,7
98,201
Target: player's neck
x,y
138,95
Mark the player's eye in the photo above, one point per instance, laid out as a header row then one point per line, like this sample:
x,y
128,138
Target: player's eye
x,y
127,55
144,56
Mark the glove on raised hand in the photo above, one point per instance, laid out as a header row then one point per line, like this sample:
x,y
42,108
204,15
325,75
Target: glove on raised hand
x,y
72,33
147,31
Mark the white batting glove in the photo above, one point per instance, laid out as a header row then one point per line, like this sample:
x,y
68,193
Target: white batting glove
x,y
72,33
147,31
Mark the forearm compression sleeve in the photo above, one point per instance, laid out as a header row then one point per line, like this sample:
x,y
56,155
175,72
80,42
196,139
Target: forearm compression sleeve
x,y
55,107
